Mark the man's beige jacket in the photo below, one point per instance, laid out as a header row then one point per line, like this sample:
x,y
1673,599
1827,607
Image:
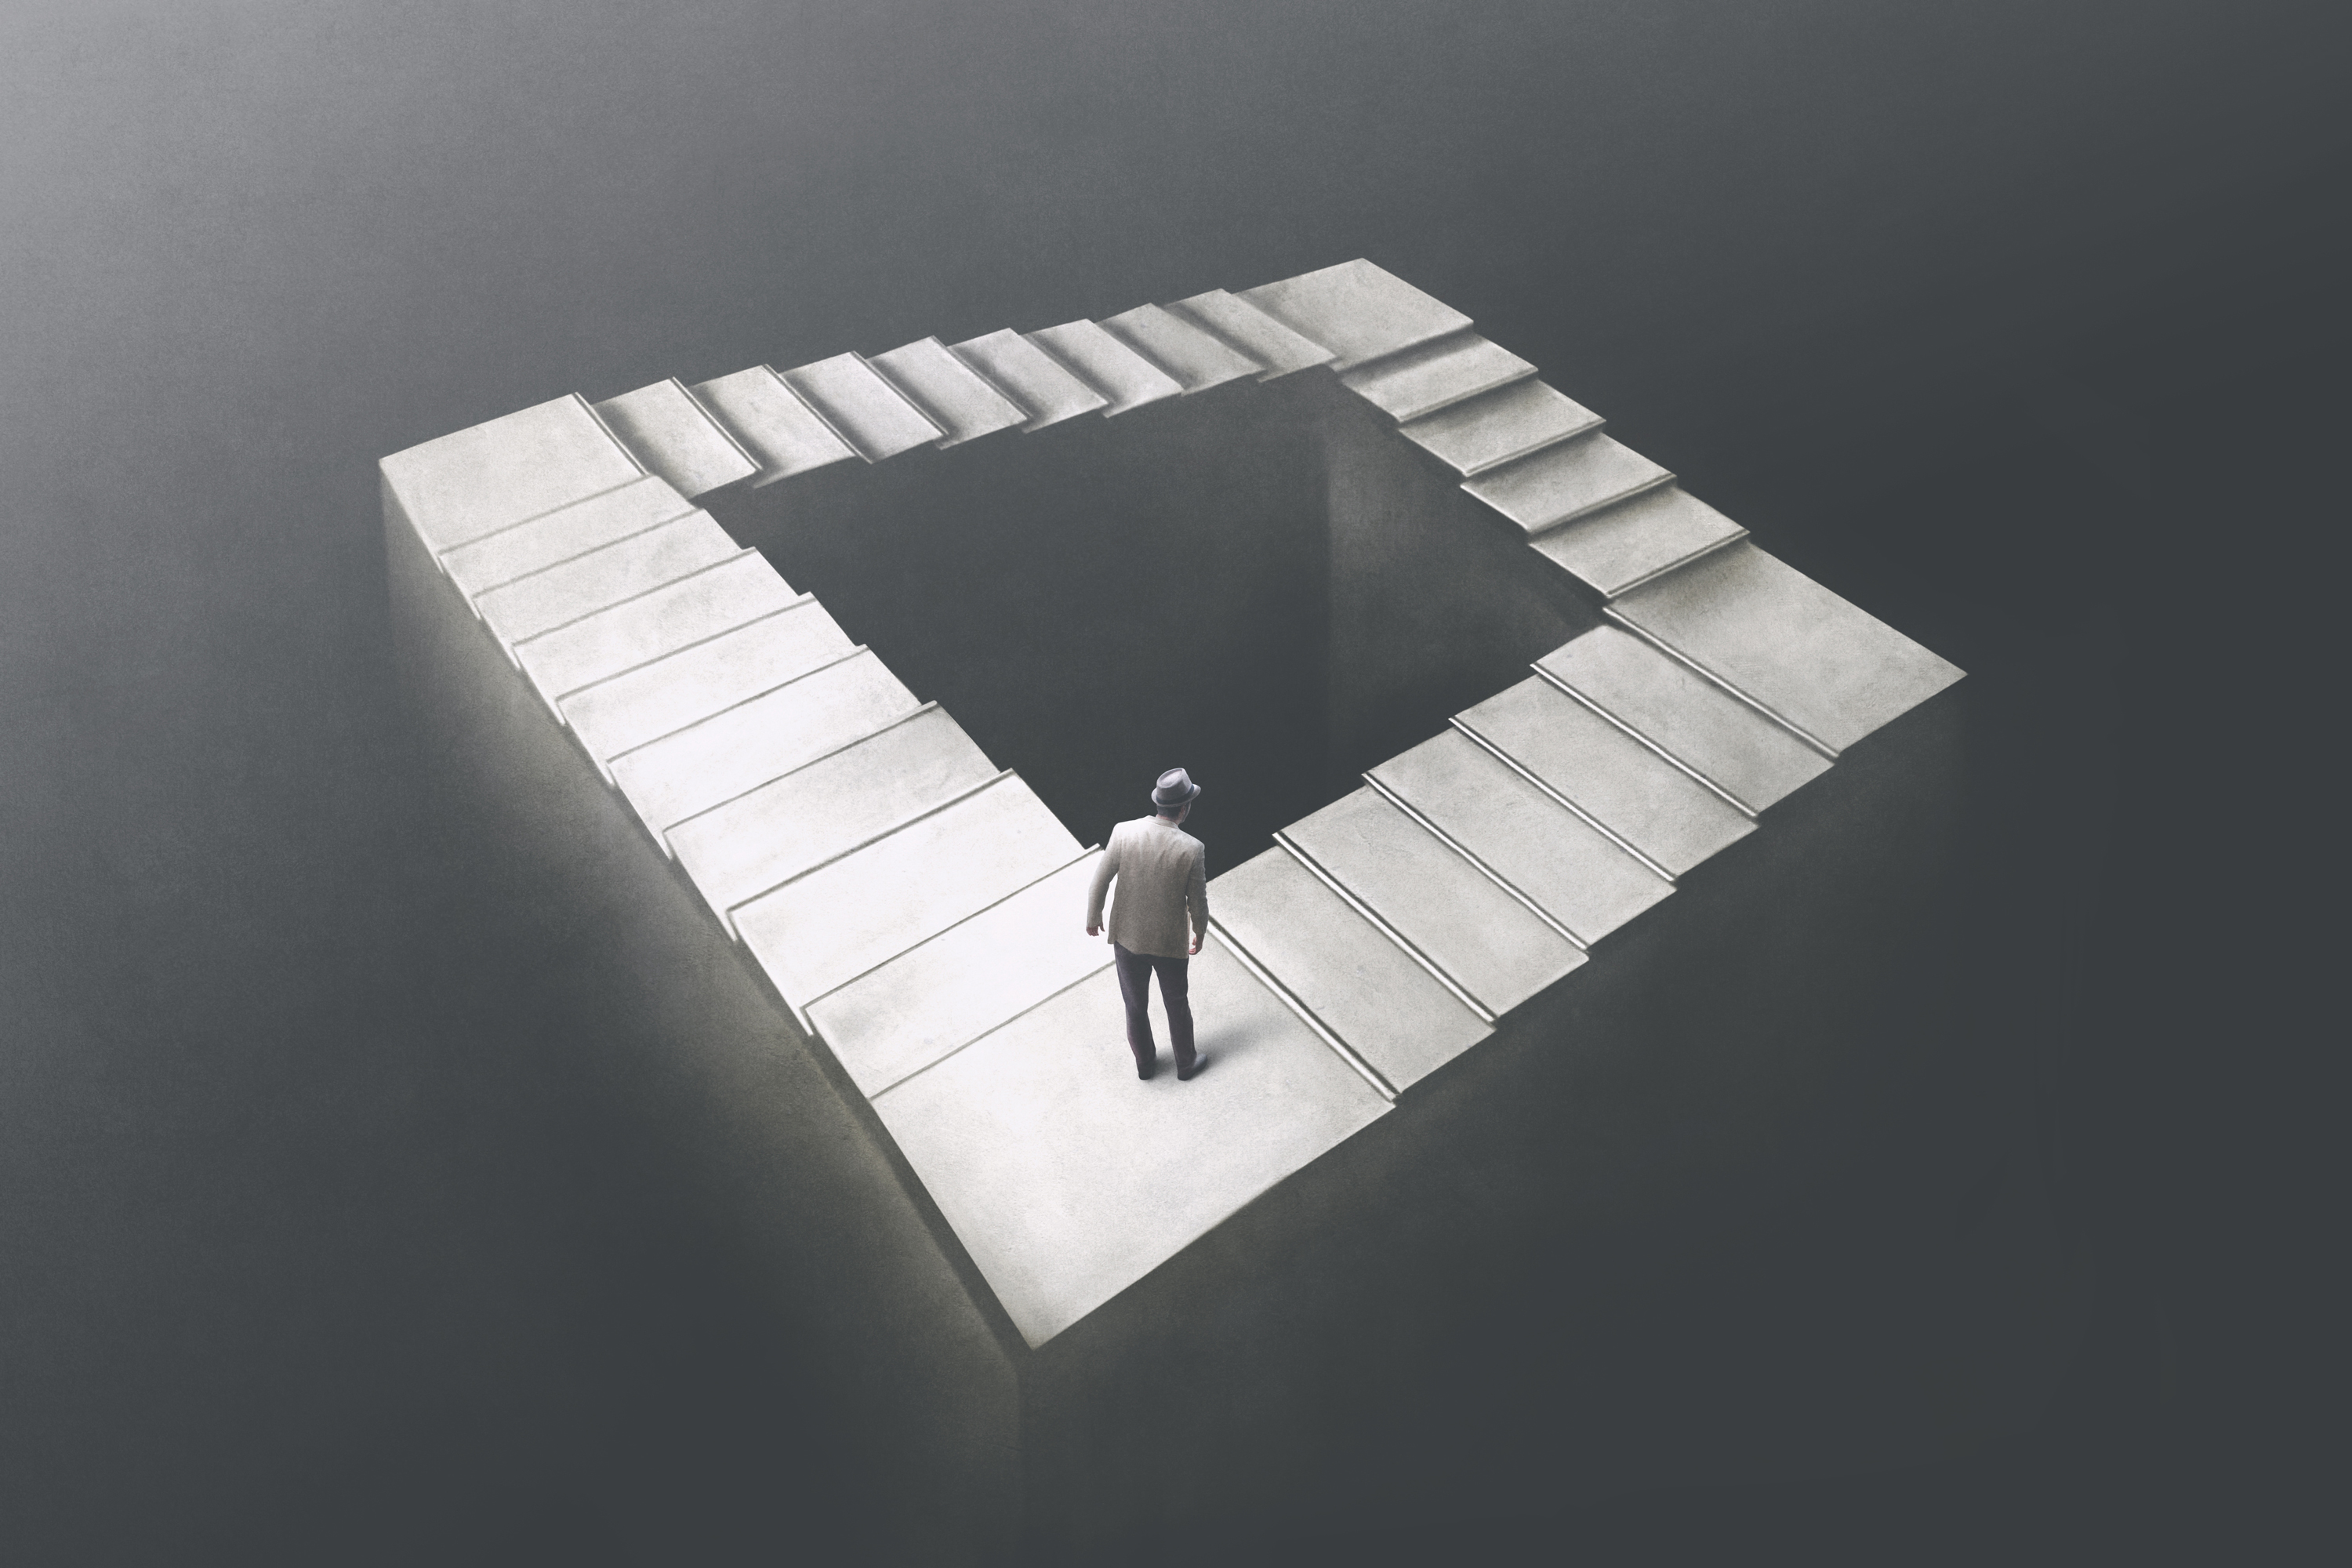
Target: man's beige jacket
x,y
1162,872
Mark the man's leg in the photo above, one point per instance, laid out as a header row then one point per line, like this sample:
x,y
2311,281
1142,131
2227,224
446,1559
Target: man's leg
x,y
1175,995
1135,990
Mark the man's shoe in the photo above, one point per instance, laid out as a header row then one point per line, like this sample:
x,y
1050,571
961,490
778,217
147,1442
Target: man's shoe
x,y
1143,1069
1200,1064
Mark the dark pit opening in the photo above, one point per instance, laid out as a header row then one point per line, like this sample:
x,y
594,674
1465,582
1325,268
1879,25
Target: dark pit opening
x,y
1262,584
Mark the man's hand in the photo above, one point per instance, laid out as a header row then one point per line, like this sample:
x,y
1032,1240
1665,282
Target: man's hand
x,y
1094,931
1195,949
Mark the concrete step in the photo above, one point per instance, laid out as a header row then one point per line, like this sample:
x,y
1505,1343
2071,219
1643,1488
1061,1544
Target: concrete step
x,y
852,794
1553,858
640,629
459,487
572,590
768,419
1435,375
1500,426
1565,481
1662,815
1376,997
1253,332
1357,310
1619,548
675,437
561,535
1123,376
1746,757
932,1000
1825,668
829,925
1030,377
1067,1181
1491,947
627,711
1197,360
762,737
958,398
862,407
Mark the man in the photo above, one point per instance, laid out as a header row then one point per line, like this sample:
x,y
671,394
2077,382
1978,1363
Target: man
x,y
1162,874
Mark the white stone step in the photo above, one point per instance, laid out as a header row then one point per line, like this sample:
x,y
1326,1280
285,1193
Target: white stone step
x,y
760,839
1725,742
832,924
770,421
958,398
1253,332
1123,376
764,736
1197,360
1621,547
1565,481
572,590
1357,310
862,407
561,535
1363,987
697,681
932,1000
1488,943
1030,377
1646,802
1067,1181
637,630
675,437
1553,857
1820,665
1435,375
461,486
1500,426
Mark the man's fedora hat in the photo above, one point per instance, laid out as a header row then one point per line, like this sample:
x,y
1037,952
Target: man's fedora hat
x,y
1176,787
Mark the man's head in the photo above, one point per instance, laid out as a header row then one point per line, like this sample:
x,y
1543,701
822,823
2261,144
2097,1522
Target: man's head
x,y
1172,798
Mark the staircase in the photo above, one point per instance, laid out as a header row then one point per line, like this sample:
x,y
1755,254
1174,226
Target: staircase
x,y
919,910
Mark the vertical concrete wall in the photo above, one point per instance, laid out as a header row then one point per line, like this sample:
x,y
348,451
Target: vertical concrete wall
x,y
909,1364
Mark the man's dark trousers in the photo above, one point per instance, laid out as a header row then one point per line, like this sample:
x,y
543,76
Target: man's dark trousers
x,y
1135,972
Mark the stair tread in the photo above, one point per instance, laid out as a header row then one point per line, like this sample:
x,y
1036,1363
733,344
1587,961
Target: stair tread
x,y
1629,789
862,407
585,584
1487,942
501,557
1497,427
693,683
1759,763
735,749
940,996
1123,376
1774,634
675,437
832,924
1197,360
1051,1165
652,624
768,420
1618,547
1367,990
1358,311
459,487
1435,375
1565,481
1548,853
959,399
740,849
1030,377
1280,350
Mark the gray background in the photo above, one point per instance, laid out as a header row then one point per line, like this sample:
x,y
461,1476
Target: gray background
x,y
2017,323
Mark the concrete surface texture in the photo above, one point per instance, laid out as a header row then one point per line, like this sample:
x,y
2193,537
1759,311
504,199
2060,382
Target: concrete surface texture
x,y
914,905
